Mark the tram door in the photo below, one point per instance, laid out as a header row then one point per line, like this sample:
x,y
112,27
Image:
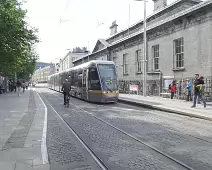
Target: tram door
x,y
84,84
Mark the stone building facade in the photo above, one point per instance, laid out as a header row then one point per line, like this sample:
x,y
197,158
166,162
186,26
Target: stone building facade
x,y
67,61
179,44
41,75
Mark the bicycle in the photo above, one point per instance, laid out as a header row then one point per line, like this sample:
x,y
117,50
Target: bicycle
x,y
67,101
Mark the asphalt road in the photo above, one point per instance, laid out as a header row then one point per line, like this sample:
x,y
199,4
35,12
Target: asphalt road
x,y
124,137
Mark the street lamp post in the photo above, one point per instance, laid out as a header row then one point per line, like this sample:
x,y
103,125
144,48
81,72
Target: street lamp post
x,y
144,51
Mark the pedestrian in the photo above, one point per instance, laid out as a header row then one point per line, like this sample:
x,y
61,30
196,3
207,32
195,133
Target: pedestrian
x,y
19,87
27,85
14,86
66,88
198,90
10,85
173,89
23,86
189,90
202,91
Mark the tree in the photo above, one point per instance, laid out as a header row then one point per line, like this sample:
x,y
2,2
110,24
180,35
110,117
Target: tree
x,y
79,50
17,39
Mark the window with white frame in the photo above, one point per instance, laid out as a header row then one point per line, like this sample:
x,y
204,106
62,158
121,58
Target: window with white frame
x,y
125,66
179,53
155,51
138,58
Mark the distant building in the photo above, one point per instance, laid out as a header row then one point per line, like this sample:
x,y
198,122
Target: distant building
x,y
41,74
67,61
179,44
42,65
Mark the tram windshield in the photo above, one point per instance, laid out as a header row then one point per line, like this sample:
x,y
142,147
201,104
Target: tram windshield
x,y
108,77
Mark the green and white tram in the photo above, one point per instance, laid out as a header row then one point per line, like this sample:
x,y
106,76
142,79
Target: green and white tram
x,y
94,81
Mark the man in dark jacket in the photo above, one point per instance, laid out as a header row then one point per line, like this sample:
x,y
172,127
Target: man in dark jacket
x,y
198,90
66,88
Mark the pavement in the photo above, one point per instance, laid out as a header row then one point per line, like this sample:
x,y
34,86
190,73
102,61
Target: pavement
x,y
22,132
165,104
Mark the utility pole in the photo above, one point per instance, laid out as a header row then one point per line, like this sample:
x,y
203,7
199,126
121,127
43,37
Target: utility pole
x,y
145,50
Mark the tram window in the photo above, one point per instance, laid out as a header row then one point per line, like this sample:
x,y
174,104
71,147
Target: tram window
x,y
80,80
75,78
84,79
93,79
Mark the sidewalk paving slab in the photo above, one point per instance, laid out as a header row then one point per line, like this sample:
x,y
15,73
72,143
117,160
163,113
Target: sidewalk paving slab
x,y
165,104
21,130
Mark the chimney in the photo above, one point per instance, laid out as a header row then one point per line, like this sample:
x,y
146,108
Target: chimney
x,y
113,28
159,4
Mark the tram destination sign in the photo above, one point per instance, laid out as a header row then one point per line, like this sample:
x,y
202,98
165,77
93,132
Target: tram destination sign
x,y
106,66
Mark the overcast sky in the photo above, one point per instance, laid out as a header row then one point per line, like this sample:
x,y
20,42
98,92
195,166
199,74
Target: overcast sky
x,y
82,19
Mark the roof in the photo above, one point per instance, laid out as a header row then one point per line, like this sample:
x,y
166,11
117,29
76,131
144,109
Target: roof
x,y
86,65
153,14
90,54
103,41
91,62
168,19
164,21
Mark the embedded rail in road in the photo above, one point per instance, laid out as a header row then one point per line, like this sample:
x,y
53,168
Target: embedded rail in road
x,y
123,132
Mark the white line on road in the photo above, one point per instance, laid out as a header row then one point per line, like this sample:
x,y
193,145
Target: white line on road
x,y
43,143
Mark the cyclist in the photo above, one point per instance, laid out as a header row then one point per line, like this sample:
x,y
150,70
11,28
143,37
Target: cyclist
x,y
66,88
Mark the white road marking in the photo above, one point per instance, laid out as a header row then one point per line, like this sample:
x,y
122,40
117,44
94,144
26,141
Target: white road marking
x,y
13,111
43,142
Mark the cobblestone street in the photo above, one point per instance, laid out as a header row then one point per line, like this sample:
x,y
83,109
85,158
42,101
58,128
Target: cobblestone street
x,y
124,137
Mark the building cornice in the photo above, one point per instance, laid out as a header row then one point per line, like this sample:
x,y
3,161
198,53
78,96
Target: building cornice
x,y
155,25
167,20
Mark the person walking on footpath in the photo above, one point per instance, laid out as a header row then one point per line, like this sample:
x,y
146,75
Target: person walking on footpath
x,y
200,96
19,87
173,89
66,88
27,85
189,88
23,86
198,90
202,91
10,85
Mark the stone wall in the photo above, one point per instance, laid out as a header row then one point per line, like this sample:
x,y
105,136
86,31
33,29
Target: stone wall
x,y
196,32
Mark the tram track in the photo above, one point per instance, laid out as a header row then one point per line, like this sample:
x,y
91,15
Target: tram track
x,y
92,153
88,149
204,140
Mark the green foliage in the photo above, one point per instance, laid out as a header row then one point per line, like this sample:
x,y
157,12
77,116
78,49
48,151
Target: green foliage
x,y
17,39
79,50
